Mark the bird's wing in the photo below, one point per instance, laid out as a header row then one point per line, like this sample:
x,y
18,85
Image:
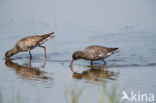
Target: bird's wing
x,y
95,53
28,42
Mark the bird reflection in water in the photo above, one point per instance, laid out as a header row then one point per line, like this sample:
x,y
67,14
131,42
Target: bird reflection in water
x,y
27,71
96,73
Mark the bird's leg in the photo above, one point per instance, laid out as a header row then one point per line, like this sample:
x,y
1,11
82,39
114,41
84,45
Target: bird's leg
x,y
91,63
44,51
30,62
30,55
44,63
104,61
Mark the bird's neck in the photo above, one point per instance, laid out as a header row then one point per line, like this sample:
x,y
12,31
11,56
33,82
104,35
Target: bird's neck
x,y
82,56
11,52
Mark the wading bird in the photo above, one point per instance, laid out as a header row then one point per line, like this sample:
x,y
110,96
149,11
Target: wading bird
x,y
93,53
28,43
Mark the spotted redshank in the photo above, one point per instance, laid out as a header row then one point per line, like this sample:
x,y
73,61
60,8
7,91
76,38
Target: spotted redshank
x,y
93,53
28,43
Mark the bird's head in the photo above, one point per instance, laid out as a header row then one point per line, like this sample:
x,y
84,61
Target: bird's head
x,y
10,53
76,55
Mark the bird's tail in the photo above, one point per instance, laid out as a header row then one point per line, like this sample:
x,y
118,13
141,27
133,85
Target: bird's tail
x,y
113,50
48,36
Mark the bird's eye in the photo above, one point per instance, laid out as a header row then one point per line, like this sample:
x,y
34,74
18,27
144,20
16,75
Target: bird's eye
x,y
74,57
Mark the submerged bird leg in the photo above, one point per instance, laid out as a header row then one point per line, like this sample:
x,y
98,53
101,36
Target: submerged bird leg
x,y
91,63
104,61
30,63
30,55
43,65
44,51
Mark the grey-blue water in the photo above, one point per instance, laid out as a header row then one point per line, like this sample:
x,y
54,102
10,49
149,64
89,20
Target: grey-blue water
x,y
127,24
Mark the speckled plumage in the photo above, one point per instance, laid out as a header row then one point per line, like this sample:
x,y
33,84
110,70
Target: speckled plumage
x,y
94,53
28,43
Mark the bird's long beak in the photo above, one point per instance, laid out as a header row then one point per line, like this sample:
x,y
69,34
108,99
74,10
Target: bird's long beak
x,y
7,59
72,62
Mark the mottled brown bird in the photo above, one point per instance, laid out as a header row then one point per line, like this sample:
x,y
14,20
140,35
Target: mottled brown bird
x,y
93,53
28,43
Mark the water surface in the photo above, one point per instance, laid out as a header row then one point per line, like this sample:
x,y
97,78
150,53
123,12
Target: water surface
x,y
129,25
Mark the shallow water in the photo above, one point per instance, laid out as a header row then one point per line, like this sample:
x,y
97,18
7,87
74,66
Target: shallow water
x,y
129,25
